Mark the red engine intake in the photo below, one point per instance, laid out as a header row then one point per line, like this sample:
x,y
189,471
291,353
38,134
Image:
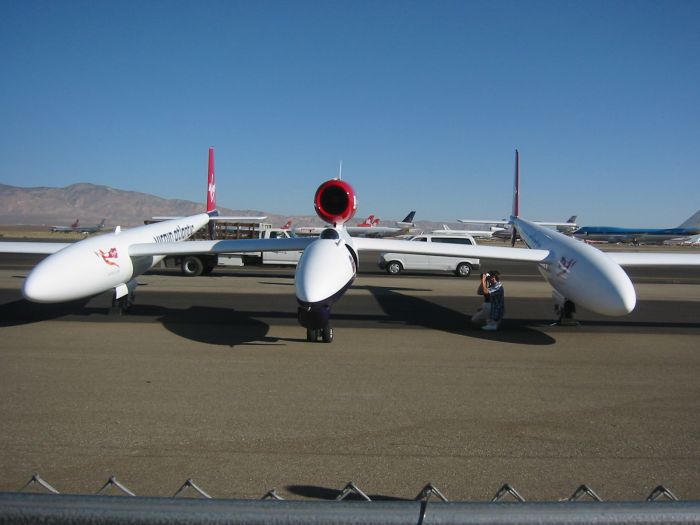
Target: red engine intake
x,y
335,201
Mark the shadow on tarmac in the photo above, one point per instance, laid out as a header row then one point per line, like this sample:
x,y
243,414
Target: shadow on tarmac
x,y
415,311
324,493
21,311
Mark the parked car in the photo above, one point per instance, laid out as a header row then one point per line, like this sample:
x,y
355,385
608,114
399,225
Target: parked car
x,y
395,263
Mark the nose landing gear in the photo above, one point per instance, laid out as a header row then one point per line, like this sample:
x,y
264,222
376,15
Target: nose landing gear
x,y
325,334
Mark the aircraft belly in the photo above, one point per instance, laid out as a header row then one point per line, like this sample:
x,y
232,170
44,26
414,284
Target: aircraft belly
x,y
145,263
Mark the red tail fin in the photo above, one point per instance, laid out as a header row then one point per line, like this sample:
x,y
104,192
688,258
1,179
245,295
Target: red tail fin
x,y
211,184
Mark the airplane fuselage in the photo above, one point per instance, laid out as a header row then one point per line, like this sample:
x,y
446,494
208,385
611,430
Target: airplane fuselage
x,y
97,264
614,234
325,271
579,272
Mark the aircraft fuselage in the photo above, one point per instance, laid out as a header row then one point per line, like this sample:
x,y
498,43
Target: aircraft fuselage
x,y
579,272
97,264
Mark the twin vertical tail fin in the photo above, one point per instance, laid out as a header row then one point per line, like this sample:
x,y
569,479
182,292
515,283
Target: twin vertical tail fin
x,y
211,194
516,197
211,185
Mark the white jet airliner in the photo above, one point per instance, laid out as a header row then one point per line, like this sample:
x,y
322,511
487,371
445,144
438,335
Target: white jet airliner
x,y
97,264
578,273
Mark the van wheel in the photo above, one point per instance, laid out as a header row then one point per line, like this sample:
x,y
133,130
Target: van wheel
x,y
394,268
192,266
463,270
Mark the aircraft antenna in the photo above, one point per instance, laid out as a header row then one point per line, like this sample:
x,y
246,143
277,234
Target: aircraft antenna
x,y
340,171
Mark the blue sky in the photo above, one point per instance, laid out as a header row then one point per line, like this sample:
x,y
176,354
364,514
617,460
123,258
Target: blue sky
x,y
424,102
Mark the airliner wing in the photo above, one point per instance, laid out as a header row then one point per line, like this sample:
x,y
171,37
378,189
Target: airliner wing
x,y
227,218
375,231
482,221
37,248
459,250
567,224
309,230
231,246
654,259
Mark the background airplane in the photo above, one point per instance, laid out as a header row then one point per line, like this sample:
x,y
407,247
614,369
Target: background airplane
x,y
484,234
641,235
578,272
503,229
368,228
76,227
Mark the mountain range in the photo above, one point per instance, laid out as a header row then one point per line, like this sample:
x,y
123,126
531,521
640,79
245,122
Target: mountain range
x,y
91,203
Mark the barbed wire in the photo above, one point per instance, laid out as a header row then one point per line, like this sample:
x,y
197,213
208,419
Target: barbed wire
x,y
351,491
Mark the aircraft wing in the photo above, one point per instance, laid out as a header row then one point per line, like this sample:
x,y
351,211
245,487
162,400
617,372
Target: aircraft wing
x,y
564,224
654,259
309,230
482,221
227,218
37,248
230,246
376,231
459,250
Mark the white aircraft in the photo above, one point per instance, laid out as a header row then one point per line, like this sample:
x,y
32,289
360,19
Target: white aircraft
x,y
100,263
446,230
503,228
368,228
76,227
578,273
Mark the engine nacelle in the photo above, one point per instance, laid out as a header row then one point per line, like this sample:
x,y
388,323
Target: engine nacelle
x,y
335,201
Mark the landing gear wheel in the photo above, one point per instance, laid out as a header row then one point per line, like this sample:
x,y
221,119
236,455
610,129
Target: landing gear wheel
x,y
327,334
311,335
122,305
566,313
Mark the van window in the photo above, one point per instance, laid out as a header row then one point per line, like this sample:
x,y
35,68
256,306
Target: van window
x,y
453,240
420,239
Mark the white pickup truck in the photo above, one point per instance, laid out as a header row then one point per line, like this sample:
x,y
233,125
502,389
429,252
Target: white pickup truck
x,y
395,263
194,265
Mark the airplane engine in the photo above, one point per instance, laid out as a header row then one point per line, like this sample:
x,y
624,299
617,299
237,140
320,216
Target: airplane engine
x,y
335,201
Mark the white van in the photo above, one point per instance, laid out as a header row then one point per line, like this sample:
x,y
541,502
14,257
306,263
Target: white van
x,y
395,263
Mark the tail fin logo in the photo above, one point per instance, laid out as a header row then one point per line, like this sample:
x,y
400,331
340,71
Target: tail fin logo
x,y
211,183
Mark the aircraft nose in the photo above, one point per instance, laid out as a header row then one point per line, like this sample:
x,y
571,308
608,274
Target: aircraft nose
x,y
615,296
39,286
627,298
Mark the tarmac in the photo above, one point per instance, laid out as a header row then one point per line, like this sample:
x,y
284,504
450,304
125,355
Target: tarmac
x,y
211,379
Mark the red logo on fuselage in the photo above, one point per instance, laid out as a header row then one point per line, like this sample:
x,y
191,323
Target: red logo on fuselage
x,y
565,267
108,256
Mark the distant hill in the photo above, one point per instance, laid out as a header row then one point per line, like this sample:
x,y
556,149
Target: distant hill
x,y
91,203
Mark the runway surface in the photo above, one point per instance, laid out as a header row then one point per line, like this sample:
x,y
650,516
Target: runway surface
x,y
211,378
